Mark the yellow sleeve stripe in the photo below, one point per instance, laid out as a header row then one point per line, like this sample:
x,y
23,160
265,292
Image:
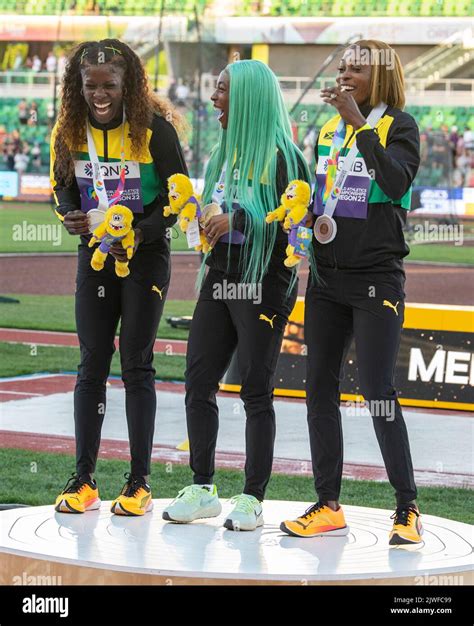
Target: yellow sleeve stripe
x,y
364,127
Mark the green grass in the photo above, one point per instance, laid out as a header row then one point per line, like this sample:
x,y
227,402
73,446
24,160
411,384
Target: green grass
x,y
13,214
19,359
57,313
441,253
36,478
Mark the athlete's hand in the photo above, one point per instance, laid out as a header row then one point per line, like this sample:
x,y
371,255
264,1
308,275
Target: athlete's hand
x,y
309,220
345,104
118,251
216,227
76,223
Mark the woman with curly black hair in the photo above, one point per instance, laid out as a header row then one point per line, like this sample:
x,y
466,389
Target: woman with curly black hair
x,y
115,142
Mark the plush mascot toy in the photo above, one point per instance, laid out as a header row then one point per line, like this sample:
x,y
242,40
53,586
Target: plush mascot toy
x,y
116,227
184,203
292,212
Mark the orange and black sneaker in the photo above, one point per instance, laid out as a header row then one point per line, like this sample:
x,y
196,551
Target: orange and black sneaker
x,y
318,520
135,497
79,495
407,526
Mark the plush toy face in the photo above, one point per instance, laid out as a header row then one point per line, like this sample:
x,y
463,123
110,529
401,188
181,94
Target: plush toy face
x,y
180,190
297,192
291,192
118,220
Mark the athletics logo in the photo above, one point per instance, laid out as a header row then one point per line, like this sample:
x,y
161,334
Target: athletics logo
x,y
392,306
155,288
267,319
88,169
91,194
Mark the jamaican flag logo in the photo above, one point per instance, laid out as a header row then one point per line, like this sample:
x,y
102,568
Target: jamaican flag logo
x,y
329,135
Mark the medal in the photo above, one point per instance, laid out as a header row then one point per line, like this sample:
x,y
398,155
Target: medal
x,y
325,229
209,211
104,202
95,217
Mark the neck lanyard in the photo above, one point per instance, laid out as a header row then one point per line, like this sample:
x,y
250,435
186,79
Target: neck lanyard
x,y
218,194
98,179
325,227
336,146
340,178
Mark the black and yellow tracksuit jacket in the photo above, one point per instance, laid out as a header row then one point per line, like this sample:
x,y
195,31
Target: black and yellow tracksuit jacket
x,y
391,153
161,157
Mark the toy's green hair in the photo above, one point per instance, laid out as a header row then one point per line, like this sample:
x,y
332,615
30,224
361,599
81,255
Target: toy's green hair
x,y
258,127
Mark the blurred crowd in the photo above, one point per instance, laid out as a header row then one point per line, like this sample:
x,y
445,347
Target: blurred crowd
x,y
50,63
28,114
19,155
447,157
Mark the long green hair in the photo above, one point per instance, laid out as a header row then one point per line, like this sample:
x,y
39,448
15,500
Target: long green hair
x,y
258,127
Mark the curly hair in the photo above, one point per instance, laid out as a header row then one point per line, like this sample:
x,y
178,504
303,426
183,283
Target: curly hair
x,y
139,100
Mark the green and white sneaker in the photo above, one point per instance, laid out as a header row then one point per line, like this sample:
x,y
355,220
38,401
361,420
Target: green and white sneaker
x,y
193,502
246,515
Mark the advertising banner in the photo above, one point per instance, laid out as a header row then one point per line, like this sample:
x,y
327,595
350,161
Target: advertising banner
x,y
435,366
34,188
8,185
443,201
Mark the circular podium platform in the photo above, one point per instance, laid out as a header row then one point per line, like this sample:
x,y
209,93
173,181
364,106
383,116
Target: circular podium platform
x,y
100,548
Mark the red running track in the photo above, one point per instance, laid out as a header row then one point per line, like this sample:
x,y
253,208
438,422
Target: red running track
x,y
54,338
56,275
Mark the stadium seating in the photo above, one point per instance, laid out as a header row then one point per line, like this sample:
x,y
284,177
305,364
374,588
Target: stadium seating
x,y
312,8
31,134
427,118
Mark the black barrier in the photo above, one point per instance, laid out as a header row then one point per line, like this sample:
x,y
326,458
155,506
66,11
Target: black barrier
x,y
435,366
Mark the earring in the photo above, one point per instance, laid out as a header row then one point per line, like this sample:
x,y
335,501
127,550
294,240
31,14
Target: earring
x,y
82,92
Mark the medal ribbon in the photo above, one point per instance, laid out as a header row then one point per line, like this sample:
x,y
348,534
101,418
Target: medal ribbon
x,y
335,151
331,193
98,179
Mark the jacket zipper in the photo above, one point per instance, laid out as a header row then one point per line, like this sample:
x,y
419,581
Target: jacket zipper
x,y
334,243
106,146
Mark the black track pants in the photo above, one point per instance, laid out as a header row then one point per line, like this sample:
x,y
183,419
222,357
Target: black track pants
x,y
102,299
219,327
355,305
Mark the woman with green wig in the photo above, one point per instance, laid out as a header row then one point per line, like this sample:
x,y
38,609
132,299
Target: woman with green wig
x,y
248,293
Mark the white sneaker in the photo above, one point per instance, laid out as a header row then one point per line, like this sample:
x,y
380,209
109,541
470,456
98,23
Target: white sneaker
x,y
193,502
246,515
